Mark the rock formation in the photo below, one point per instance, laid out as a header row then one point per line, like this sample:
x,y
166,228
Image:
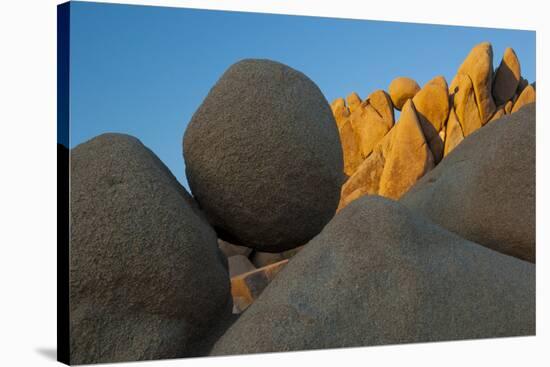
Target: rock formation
x,y
528,95
258,261
478,66
507,77
401,89
447,115
432,107
465,105
393,277
263,157
147,280
485,190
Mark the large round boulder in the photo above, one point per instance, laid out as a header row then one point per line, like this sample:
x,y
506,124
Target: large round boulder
x,y
263,156
485,189
380,274
147,280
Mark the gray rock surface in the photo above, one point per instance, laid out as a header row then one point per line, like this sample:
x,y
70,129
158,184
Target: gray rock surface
x,y
379,273
263,157
147,280
484,190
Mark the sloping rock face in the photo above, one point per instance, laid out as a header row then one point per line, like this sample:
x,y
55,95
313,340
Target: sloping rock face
x,y
432,106
527,96
454,134
147,280
351,148
507,77
478,66
465,105
409,157
447,115
485,190
397,162
394,277
263,157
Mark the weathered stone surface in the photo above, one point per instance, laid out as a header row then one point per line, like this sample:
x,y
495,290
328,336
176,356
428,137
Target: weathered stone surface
x,y
409,157
396,163
454,134
366,180
263,156
464,102
478,65
351,148
383,105
147,280
354,102
394,277
370,128
231,250
485,190
432,107
247,287
527,96
239,264
401,89
340,111
507,77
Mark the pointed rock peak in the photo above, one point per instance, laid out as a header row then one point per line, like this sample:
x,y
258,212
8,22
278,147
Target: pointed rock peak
x,y
507,77
354,101
478,65
409,123
439,80
338,103
409,157
382,103
340,111
432,106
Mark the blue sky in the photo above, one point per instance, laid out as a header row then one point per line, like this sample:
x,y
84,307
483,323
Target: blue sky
x,y
144,70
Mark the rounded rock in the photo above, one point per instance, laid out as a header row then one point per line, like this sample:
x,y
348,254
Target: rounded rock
x,y
147,280
263,156
401,89
395,277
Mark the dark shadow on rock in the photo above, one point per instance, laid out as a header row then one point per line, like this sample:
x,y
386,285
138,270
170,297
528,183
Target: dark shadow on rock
x,y
508,84
432,137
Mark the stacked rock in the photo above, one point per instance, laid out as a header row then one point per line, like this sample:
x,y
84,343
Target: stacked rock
x,y
155,273
263,158
446,114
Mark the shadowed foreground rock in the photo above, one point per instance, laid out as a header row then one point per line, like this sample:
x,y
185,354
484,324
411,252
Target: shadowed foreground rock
x,y
485,189
263,157
147,280
381,274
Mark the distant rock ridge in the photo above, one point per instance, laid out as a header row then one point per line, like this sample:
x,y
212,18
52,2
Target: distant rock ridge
x,y
446,114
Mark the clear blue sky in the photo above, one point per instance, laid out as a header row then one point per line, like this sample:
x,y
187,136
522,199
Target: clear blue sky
x,y
144,70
